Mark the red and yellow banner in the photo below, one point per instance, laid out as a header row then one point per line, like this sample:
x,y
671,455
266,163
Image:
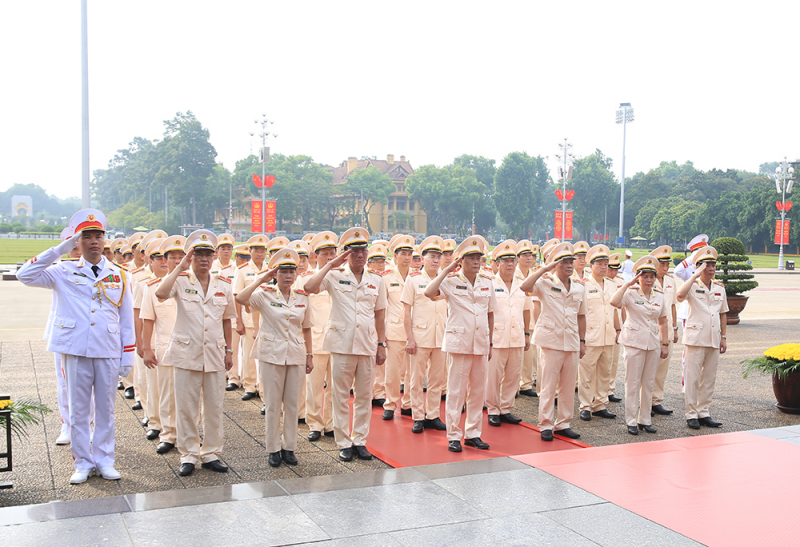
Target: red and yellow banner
x,y
778,232
566,226
270,217
255,216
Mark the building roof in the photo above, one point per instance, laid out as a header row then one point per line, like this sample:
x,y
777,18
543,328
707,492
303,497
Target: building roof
x,y
397,170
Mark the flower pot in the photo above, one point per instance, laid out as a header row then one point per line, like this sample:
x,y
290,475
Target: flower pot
x,y
735,306
787,393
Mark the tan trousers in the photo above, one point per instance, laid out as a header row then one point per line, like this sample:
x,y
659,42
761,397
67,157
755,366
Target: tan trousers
x,y
466,381
166,403
301,395
557,371
701,375
358,372
503,373
640,375
661,377
432,362
614,365
140,381
318,399
234,376
249,366
153,401
379,384
594,377
530,365
194,388
396,361
281,384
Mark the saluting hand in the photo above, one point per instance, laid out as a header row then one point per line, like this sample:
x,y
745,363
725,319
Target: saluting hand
x,y
699,270
453,265
341,259
635,279
187,261
269,276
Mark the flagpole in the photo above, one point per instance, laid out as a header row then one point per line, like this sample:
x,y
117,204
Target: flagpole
x,y
86,200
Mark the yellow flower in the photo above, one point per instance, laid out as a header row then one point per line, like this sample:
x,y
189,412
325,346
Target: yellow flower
x,y
784,352
4,404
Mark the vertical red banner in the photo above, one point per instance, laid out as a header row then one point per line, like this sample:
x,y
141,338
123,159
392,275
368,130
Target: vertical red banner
x,y
255,216
270,216
568,225
785,232
558,225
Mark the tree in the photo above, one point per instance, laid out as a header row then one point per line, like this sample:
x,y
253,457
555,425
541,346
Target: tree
x,y
133,214
484,171
519,185
595,188
303,190
374,186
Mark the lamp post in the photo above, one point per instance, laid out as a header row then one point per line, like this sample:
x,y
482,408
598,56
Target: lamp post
x,y
784,174
263,134
624,116
564,174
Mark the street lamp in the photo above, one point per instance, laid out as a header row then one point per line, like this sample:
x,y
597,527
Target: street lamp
x,y
784,174
564,175
264,158
624,116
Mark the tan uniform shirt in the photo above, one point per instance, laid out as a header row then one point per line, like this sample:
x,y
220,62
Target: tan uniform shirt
x,y
162,313
702,325
228,271
320,304
600,329
138,288
670,291
351,327
557,327
282,322
245,274
641,321
428,317
509,327
393,284
468,307
530,294
198,342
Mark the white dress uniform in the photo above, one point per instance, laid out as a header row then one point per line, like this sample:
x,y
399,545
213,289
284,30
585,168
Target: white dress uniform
x,y
93,329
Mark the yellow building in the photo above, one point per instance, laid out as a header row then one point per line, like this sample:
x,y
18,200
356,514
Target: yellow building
x,y
401,214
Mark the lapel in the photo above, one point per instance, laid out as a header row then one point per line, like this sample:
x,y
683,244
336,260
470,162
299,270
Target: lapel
x,y
212,286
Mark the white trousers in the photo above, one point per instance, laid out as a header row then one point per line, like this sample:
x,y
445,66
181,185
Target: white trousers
x,y
192,389
640,376
165,376
86,376
281,385
466,382
61,390
358,372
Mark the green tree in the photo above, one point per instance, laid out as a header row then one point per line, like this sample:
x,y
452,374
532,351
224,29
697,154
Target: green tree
x,y
134,214
374,186
484,171
303,190
519,185
595,189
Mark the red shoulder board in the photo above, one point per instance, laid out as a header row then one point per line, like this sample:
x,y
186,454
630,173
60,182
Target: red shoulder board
x,y
137,270
153,281
225,279
243,265
487,276
184,273
307,272
453,274
376,272
301,291
415,272
580,281
270,288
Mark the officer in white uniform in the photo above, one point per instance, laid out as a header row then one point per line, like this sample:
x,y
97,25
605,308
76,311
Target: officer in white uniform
x,y
93,329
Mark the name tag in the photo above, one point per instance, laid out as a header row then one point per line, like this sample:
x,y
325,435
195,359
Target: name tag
x,y
251,275
343,282
700,291
656,304
190,291
555,289
422,286
639,302
461,287
373,287
593,291
484,288
717,294
394,284
276,304
499,290
219,294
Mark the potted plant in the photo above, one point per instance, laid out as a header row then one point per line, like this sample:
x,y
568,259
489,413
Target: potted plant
x,y
732,262
23,412
783,363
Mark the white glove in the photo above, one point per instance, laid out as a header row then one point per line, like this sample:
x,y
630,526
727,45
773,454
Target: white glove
x,y
67,245
124,371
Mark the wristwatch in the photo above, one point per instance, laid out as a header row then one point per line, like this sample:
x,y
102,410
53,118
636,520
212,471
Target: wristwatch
x,y
228,350
675,327
725,336
381,344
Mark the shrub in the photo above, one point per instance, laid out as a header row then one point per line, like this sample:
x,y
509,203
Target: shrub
x,y
731,261
5,227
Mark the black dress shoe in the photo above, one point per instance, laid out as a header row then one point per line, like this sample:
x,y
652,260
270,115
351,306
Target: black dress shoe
x,y
129,393
586,416
568,433
648,428
708,422
510,419
362,452
476,442
528,393
693,423
314,436
120,386
145,421
274,459
289,457
633,430
444,396
137,405
263,410
494,420
436,424
454,446
418,426
164,447
405,412
388,415
346,454
216,466
658,409
652,413
248,395
231,387
402,388
328,433
186,469
152,434
604,414
547,434
378,402
614,399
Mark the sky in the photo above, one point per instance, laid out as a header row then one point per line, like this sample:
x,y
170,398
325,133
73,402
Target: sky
x,y
710,82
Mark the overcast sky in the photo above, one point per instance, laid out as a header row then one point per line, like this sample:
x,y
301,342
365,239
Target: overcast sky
x,y
710,82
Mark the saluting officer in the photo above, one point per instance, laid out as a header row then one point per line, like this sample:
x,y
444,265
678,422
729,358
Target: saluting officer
x,y
704,336
511,336
199,350
93,329
159,322
471,304
376,262
526,262
424,320
356,338
614,267
684,271
602,328
560,335
666,282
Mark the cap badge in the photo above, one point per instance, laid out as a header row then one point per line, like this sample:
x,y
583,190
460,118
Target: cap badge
x,y
286,255
474,242
90,217
203,237
327,237
356,234
177,242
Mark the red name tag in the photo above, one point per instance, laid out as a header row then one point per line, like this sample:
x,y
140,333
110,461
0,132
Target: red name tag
x,y
219,294
300,306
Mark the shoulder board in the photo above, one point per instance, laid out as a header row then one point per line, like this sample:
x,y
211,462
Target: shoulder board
x,y
669,274
69,259
262,272
657,289
243,265
719,283
308,272
137,270
153,281
487,276
226,267
184,273
415,272
225,279
270,288
580,281
120,266
453,274
301,291
380,274
633,287
337,269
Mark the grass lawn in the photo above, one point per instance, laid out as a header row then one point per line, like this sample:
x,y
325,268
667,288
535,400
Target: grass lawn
x,y
20,250
758,261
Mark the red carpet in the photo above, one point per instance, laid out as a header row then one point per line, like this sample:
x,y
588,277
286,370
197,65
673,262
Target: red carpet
x,y
393,442
725,489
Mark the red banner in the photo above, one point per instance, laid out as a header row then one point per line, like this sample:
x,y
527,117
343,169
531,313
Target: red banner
x,y
778,232
567,226
255,216
269,216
